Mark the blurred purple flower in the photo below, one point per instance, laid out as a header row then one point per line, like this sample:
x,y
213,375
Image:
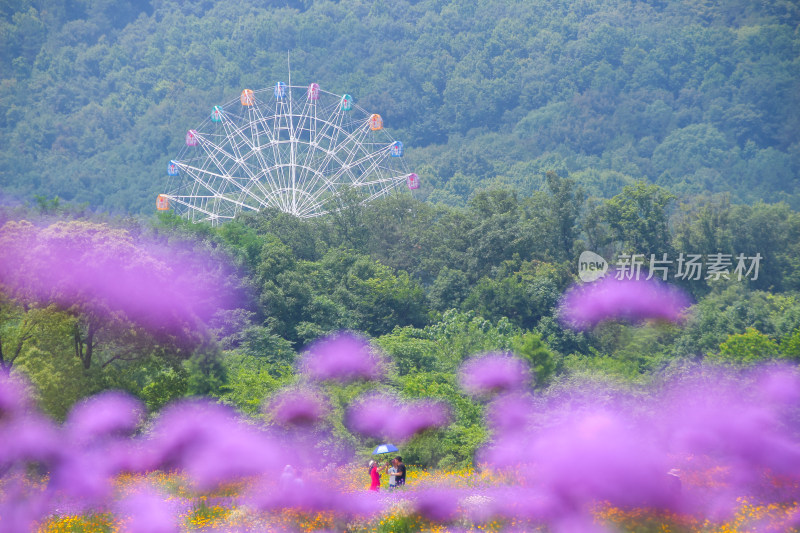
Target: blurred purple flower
x,y
343,357
510,412
298,407
381,416
420,416
601,456
108,272
779,385
371,415
146,511
494,372
715,417
30,438
107,413
84,476
14,397
22,507
634,300
212,445
437,505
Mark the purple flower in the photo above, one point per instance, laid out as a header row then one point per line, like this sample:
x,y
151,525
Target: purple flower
x,y
371,415
714,416
212,445
30,438
344,357
494,372
21,507
146,511
84,476
295,407
634,300
510,413
381,416
14,398
104,414
108,272
420,416
437,505
780,385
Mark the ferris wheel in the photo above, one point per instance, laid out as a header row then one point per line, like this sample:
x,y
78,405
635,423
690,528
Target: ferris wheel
x,y
293,148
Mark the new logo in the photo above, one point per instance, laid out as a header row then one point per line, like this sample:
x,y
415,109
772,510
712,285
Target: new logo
x,y
591,266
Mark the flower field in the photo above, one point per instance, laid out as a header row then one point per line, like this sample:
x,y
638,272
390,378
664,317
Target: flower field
x,y
223,511
725,465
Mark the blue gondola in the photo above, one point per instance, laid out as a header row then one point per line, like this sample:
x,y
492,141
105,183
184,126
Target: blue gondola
x,y
397,149
280,90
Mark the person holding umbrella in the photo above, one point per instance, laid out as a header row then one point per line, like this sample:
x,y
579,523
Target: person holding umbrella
x,y
374,476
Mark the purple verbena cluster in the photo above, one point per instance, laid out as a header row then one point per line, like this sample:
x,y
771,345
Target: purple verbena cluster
x,y
107,272
298,407
634,300
344,357
383,417
493,373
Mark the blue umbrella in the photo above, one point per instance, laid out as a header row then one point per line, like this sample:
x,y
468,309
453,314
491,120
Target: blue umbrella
x,y
385,448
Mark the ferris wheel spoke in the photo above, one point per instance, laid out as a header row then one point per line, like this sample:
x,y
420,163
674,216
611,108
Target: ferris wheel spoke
x,y
310,148
329,153
213,150
234,133
338,144
258,124
282,122
373,158
196,203
350,149
313,200
198,174
277,180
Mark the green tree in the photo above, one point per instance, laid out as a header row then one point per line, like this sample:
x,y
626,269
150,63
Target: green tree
x,y
410,348
637,219
565,206
459,335
449,289
790,346
749,347
543,361
250,380
523,293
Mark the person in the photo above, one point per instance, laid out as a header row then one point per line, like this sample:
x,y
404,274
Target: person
x,y
401,471
674,477
287,477
391,470
375,476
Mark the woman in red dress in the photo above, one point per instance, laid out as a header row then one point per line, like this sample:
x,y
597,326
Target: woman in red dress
x,y
375,476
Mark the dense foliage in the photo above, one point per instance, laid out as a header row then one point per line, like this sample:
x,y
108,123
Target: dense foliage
x,y
694,96
430,285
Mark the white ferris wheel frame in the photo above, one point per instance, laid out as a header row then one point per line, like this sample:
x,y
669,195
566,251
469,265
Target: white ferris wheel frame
x,y
293,154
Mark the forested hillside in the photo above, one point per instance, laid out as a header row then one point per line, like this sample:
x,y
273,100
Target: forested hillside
x,y
698,97
428,285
